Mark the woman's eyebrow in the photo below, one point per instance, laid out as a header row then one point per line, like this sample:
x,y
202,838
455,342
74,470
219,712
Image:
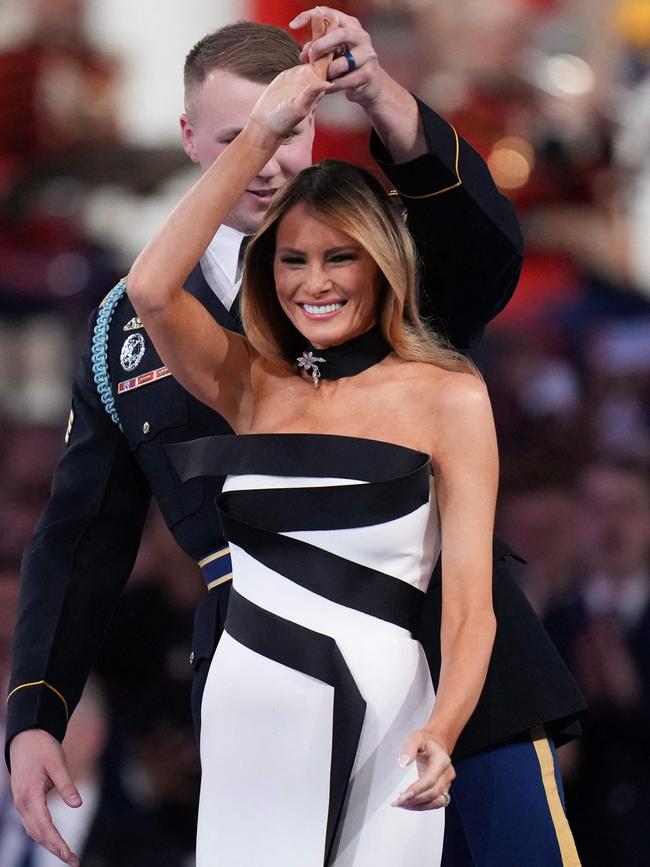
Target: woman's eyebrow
x,y
341,248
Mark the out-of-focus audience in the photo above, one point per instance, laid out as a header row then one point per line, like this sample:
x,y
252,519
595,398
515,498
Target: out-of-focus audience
x,y
556,95
602,627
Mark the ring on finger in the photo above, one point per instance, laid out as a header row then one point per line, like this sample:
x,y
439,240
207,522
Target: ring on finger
x,y
352,64
447,799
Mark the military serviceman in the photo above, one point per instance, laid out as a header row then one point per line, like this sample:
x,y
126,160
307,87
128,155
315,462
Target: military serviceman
x,y
126,407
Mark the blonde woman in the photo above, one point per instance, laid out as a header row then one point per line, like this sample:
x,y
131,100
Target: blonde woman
x,y
322,742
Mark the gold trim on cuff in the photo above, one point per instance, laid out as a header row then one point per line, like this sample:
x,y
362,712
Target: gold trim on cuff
x,y
445,189
42,683
218,581
212,557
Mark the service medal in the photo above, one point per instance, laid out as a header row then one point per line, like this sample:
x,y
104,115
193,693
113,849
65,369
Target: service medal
x,y
132,352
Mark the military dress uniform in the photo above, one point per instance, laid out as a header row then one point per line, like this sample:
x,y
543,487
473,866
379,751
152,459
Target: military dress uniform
x,y
126,408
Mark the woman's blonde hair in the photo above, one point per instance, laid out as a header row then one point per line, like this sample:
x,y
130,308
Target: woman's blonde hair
x,y
352,201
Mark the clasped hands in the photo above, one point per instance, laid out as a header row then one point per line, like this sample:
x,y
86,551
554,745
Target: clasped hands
x,y
325,69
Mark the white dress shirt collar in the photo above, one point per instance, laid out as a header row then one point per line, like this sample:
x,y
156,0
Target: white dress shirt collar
x,y
219,264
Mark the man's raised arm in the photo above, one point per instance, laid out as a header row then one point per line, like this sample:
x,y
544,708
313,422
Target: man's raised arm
x,y
466,232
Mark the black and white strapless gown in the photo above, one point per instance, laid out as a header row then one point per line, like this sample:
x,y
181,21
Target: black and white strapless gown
x,y
317,679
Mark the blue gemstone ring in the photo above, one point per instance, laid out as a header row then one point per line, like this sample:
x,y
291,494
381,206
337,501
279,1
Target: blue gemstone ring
x,y
352,64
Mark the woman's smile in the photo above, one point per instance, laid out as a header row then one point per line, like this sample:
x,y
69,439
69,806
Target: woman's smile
x,y
321,310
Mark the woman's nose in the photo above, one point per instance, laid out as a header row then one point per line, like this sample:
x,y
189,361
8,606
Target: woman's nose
x,y
318,280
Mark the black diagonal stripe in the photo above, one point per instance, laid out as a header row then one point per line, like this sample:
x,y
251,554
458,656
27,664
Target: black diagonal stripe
x,y
330,507
333,577
317,455
318,656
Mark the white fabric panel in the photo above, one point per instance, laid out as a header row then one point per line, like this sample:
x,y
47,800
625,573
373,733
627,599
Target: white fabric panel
x,y
267,729
262,779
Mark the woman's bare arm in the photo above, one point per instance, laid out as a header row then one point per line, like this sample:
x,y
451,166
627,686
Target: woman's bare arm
x,y
466,471
465,465
210,361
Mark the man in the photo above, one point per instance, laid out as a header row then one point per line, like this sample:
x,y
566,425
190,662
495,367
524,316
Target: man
x,y
110,828
126,407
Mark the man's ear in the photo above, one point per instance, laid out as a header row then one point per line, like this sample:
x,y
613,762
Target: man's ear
x,y
187,135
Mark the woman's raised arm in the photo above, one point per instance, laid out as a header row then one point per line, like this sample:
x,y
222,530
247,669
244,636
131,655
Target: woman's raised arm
x,y
210,361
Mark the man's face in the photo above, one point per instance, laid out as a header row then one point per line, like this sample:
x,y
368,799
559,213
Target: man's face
x,y
220,109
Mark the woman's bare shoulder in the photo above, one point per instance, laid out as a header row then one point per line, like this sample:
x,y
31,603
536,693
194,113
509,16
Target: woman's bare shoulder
x,y
442,388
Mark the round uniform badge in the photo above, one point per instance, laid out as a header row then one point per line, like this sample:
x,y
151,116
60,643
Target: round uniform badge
x,y
132,352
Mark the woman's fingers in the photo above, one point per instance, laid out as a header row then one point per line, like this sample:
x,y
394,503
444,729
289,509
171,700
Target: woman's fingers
x,y
435,770
289,98
436,803
319,29
430,786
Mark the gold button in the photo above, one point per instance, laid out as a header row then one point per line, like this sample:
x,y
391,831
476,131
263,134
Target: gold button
x,y
146,427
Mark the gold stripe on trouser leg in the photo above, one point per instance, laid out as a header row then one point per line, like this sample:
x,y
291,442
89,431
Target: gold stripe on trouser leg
x,y
568,851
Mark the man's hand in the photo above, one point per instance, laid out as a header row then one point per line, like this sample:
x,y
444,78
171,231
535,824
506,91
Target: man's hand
x,y
355,71
344,34
37,766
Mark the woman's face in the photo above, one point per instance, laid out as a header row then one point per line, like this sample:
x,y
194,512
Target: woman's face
x,y
327,284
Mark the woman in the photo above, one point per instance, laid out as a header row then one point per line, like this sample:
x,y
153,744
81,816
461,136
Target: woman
x,y
319,710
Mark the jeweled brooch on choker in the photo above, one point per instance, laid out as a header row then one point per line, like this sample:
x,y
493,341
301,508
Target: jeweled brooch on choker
x,y
309,362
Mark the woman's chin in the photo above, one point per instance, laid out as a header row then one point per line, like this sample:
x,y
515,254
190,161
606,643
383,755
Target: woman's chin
x,y
323,335
330,332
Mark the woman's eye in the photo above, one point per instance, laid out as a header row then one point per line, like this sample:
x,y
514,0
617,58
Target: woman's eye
x,y
342,257
292,260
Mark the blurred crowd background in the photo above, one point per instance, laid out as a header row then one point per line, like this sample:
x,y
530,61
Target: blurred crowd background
x,y
555,94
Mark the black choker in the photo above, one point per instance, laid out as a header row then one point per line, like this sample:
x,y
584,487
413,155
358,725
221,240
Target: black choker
x,y
346,359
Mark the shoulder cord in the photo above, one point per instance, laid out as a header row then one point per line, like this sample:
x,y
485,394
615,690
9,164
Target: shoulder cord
x,y
99,356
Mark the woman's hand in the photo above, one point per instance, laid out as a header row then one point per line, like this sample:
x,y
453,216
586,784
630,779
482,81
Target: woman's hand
x,y
289,99
436,774
294,93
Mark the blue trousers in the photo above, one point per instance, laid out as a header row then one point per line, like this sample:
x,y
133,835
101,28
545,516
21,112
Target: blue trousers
x,y
507,809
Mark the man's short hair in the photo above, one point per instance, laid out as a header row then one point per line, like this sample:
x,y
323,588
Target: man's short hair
x,y
257,52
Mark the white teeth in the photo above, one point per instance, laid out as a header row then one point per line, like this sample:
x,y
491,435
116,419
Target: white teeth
x,y
321,309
